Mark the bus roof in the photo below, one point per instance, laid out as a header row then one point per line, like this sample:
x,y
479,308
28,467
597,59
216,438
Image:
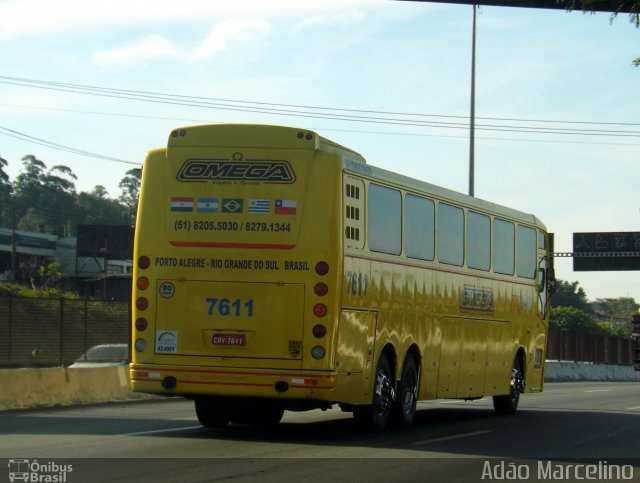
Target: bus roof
x,y
270,136
440,193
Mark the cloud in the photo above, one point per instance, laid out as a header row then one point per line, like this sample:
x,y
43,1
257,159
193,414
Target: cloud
x,y
36,17
330,20
233,29
156,47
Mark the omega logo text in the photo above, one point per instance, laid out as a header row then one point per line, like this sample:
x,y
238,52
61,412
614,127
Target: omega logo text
x,y
219,170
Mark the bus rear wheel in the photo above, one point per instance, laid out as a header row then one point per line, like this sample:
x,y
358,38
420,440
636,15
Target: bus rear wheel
x,y
508,404
213,412
404,408
375,417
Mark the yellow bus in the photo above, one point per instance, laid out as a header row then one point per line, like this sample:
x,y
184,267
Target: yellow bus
x,y
276,270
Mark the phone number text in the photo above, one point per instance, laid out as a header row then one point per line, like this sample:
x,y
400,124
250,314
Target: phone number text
x,y
251,226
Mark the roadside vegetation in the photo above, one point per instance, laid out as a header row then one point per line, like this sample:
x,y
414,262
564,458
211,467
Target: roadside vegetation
x,y
570,310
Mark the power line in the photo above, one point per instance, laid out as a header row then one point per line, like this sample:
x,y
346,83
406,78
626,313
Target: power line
x,y
61,147
319,129
25,82
330,113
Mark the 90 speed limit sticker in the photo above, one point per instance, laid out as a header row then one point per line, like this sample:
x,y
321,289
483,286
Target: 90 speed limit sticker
x,y
167,290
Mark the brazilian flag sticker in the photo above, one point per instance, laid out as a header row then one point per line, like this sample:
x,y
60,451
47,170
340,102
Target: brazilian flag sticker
x,y
232,205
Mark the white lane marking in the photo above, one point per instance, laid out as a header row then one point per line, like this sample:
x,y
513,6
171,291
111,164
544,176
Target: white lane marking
x,y
633,409
448,438
599,390
155,431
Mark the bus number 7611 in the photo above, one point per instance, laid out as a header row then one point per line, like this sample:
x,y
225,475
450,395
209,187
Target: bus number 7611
x,y
226,307
357,283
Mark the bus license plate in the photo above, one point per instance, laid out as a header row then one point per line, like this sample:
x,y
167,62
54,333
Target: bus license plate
x,y
229,339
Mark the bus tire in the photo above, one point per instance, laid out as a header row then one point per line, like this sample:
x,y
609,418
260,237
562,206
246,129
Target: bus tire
x,y
374,417
508,404
212,412
404,408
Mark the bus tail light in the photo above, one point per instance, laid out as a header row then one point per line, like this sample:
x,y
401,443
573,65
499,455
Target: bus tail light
x,y
144,262
322,268
321,289
319,331
143,283
140,345
317,352
141,324
142,303
319,310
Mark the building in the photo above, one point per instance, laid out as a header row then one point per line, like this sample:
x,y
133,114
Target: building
x,y
83,268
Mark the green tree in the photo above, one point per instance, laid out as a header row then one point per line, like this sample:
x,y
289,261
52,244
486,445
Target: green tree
x,y
96,208
33,220
616,313
571,318
130,186
569,294
60,191
6,215
61,178
632,7
50,275
46,197
28,187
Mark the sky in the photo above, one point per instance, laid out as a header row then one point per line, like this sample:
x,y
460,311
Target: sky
x,y
557,126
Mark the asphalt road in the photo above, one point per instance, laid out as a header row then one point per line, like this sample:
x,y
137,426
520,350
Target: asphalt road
x,y
552,437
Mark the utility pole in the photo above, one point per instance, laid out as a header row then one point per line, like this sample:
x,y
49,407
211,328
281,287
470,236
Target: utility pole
x,y
105,253
472,114
14,242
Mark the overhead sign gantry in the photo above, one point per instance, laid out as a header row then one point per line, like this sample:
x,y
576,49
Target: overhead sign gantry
x,y
611,6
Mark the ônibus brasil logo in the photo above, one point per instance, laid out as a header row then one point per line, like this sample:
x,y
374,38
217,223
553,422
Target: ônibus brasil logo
x,y
34,471
236,170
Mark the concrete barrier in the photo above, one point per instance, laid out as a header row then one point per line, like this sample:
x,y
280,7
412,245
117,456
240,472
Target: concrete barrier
x,y
28,388
563,371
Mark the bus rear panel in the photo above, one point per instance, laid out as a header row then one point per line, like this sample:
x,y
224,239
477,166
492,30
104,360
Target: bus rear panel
x,y
235,244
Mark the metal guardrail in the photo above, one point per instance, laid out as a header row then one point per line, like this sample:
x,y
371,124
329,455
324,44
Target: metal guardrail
x,y
43,332
57,332
567,345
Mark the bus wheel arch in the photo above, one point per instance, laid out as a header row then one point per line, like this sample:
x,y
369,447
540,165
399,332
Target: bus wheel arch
x,y
404,408
508,403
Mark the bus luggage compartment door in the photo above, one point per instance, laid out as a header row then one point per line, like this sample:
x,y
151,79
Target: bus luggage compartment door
x,y
356,337
233,319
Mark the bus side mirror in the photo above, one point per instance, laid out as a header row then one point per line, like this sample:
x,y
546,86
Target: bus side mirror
x,y
551,281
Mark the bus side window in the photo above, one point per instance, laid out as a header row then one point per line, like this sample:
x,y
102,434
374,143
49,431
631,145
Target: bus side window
x,y
526,253
419,227
503,246
384,218
478,241
450,234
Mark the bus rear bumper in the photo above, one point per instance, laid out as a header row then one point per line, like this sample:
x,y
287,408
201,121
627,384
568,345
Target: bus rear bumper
x,y
192,381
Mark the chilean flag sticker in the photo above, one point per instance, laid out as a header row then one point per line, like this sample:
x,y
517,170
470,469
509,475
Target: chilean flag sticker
x,y
182,204
285,207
